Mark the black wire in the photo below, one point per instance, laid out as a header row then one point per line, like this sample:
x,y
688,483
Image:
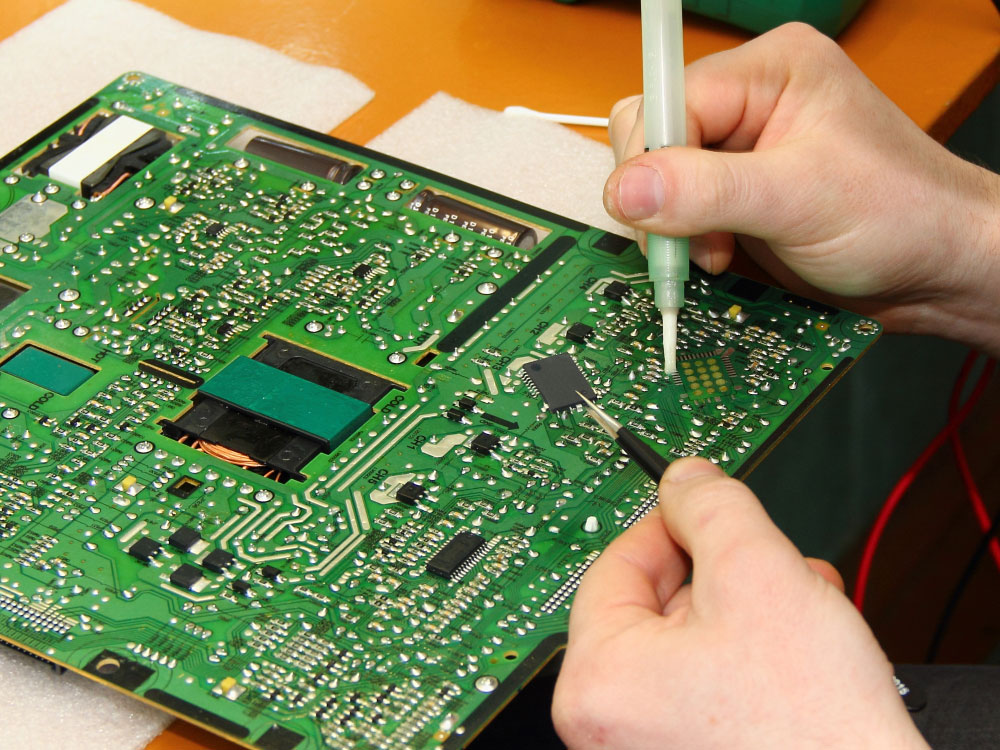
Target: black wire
x,y
959,590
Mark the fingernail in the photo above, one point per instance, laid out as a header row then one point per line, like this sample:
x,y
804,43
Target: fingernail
x,y
621,104
640,192
701,252
690,468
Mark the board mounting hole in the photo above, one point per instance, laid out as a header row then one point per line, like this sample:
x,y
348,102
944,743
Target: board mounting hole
x,y
108,665
826,366
510,655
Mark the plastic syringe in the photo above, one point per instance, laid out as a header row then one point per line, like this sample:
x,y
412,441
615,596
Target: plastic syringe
x,y
665,124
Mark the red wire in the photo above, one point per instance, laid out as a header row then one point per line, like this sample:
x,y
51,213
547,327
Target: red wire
x,y
975,498
954,421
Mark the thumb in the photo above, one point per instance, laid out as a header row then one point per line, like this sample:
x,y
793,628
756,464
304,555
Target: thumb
x,y
681,192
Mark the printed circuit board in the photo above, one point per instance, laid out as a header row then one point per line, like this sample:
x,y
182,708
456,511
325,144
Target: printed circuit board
x,y
290,437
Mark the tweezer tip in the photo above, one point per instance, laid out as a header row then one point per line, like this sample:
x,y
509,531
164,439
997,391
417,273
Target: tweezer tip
x,y
607,424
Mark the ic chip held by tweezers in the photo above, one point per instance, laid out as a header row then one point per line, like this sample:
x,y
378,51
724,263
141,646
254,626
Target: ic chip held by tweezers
x,y
557,380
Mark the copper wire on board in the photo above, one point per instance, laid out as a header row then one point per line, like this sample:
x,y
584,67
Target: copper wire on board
x,y
115,184
231,456
83,125
228,455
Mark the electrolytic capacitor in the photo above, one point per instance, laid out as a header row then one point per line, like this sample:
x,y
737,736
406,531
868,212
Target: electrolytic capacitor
x,y
475,219
311,162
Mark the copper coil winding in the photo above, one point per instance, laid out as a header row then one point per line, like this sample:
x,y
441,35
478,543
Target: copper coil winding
x,y
115,184
83,125
230,456
227,454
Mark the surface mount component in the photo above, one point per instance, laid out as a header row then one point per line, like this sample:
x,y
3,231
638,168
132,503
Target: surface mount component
x,y
186,576
145,549
558,381
184,538
450,558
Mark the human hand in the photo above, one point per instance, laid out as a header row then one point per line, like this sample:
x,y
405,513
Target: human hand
x,y
830,187
760,650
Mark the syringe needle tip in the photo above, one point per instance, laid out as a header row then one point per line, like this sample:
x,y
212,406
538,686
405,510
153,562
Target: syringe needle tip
x,y
669,341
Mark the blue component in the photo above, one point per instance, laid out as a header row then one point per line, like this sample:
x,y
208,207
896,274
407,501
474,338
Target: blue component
x,y
47,370
288,400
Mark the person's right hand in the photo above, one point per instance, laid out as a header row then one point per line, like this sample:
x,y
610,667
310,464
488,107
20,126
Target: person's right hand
x,y
827,184
760,649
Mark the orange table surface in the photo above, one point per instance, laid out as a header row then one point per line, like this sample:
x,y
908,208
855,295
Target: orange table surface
x,y
935,60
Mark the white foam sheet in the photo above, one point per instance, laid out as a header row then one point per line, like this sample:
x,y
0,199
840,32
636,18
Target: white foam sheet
x,y
535,161
56,62
42,710
49,67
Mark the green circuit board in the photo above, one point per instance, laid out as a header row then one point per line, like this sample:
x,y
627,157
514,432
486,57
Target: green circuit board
x,y
290,438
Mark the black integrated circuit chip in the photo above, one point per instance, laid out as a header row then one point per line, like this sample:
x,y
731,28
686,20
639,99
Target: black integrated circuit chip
x,y
186,576
218,560
241,587
485,443
410,493
145,549
558,381
184,538
616,290
579,332
450,558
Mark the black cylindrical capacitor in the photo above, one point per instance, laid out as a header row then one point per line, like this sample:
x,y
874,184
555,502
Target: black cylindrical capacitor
x,y
475,219
311,162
